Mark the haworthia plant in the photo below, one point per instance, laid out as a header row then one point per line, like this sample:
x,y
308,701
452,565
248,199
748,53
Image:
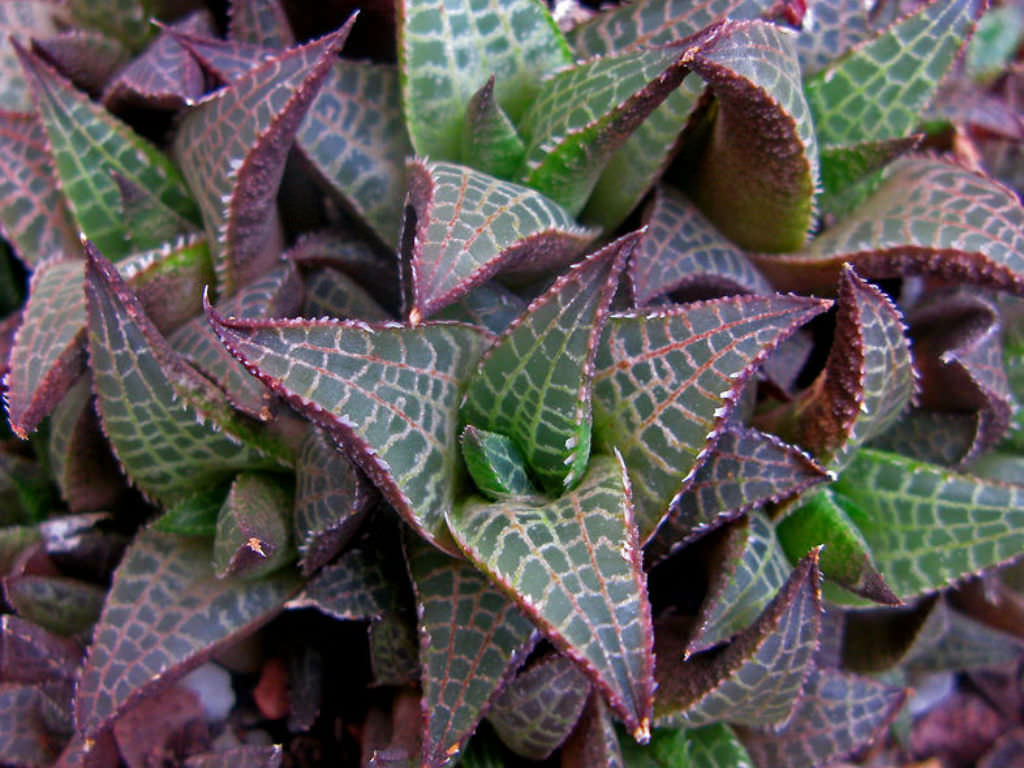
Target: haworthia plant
x,y
524,375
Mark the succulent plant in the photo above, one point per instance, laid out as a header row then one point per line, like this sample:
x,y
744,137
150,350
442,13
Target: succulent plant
x,y
642,382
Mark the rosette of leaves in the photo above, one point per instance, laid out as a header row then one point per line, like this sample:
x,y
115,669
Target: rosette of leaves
x,y
578,461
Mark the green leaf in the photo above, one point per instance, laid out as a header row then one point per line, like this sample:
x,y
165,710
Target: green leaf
x,y
496,465
330,292
125,20
152,404
928,217
757,173
148,223
849,175
490,141
165,614
253,537
259,22
666,382
747,469
716,746
539,708
836,714
574,567
868,381
68,607
683,250
466,226
87,144
905,62
335,373
34,217
668,749
446,50
927,527
734,603
48,353
995,42
533,384
837,27
651,23
355,137
757,678
332,499
821,520
233,146
584,113
196,514
472,638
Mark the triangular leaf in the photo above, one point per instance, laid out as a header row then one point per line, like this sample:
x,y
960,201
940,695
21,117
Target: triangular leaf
x,y
31,654
756,680
467,226
48,353
666,383
573,566
716,746
331,293
928,217
34,218
139,384
594,743
684,250
838,26
735,602
928,527
65,606
196,514
747,469
332,498
757,175
533,384
472,638
868,381
539,708
25,713
836,714
89,59
447,50
233,147
125,20
87,143
490,306
906,61
165,614
490,142
253,536
584,113
496,465
849,174
22,21
334,372
846,560
148,222
354,588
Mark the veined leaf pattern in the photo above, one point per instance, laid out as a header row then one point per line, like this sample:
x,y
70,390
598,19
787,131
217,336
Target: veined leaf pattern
x,y
469,225
928,527
472,638
233,146
148,223
746,470
388,394
759,574
666,382
756,680
140,384
353,588
490,142
838,26
253,537
594,743
495,464
330,292
447,50
716,746
22,21
124,20
34,217
683,249
906,61
259,22
90,58
533,384
49,351
165,614
756,179
836,714
928,217
87,142
538,708
574,567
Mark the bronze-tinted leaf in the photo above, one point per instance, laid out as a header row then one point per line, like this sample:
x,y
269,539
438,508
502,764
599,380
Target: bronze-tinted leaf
x,y
253,537
165,614
31,654
594,742
259,22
